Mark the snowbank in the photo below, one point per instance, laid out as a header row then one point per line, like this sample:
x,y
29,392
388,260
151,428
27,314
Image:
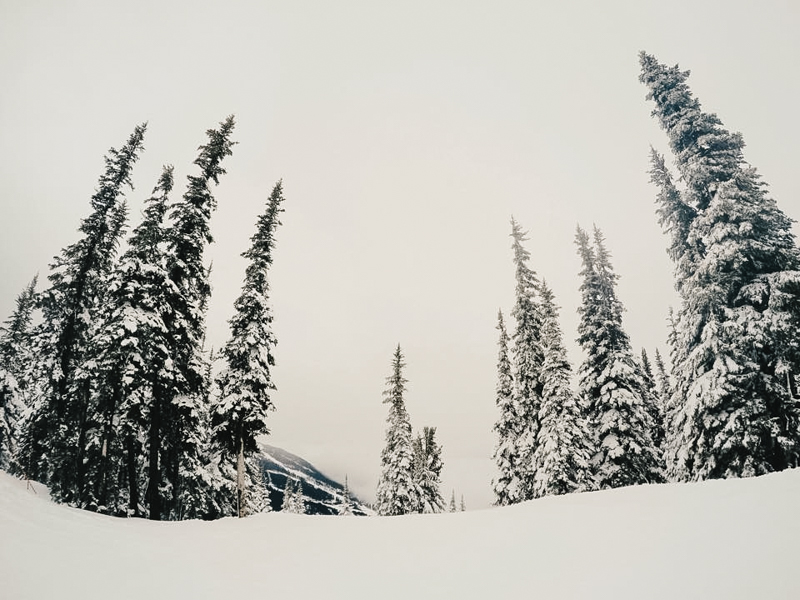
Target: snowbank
x,y
717,539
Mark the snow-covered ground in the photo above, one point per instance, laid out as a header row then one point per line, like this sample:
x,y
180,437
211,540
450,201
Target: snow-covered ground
x,y
718,539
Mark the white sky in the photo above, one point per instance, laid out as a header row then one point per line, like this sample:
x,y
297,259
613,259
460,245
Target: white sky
x,y
406,135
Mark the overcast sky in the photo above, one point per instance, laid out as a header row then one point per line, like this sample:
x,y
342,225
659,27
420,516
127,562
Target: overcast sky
x,y
406,134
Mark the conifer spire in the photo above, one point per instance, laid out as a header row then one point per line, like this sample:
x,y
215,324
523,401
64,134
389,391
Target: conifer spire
x,y
610,385
398,493
735,349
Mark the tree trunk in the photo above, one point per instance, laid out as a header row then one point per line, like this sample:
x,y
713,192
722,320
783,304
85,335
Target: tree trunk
x,y
240,480
154,473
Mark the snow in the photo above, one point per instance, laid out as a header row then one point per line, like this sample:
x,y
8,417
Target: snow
x,y
716,539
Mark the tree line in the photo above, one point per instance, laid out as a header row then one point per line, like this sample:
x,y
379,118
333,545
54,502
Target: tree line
x,y
109,397
107,392
728,405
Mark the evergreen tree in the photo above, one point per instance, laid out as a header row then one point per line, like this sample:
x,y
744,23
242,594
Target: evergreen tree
x,y
610,383
732,411
15,355
287,505
428,471
526,360
299,499
293,499
647,371
507,486
346,506
398,493
185,421
463,506
452,507
652,402
246,383
129,363
561,460
662,377
54,437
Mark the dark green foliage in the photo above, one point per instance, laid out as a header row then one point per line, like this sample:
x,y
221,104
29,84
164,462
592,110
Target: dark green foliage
x,y
54,438
428,470
398,492
245,384
610,382
15,356
507,484
735,348
526,360
563,449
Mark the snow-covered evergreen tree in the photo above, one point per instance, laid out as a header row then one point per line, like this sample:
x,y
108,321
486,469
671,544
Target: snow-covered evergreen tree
x,y
562,455
647,371
345,507
452,507
15,356
526,360
398,493
663,387
129,364
609,380
185,433
53,442
293,499
507,485
736,352
652,402
245,383
288,491
428,471
463,505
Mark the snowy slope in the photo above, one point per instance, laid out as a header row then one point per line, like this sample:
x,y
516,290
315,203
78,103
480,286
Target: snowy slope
x,y
323,495
718,539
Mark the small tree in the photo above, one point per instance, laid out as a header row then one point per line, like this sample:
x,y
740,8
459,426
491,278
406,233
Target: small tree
x,y
428,471
15,354
288,491
346,505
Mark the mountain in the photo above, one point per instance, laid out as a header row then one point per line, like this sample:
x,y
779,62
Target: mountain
x,y
323,495
731,539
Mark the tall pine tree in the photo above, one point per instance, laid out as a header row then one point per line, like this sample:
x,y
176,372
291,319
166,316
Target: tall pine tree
x,y
733,412
562,455
133,370
54,437
526,360
186,419
610,383
398,493
245,384
507,486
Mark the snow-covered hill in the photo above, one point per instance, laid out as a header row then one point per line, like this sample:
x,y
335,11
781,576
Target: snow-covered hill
x,y
718,539
323,495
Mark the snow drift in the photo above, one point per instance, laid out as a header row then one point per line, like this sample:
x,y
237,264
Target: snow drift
x,y
717,539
